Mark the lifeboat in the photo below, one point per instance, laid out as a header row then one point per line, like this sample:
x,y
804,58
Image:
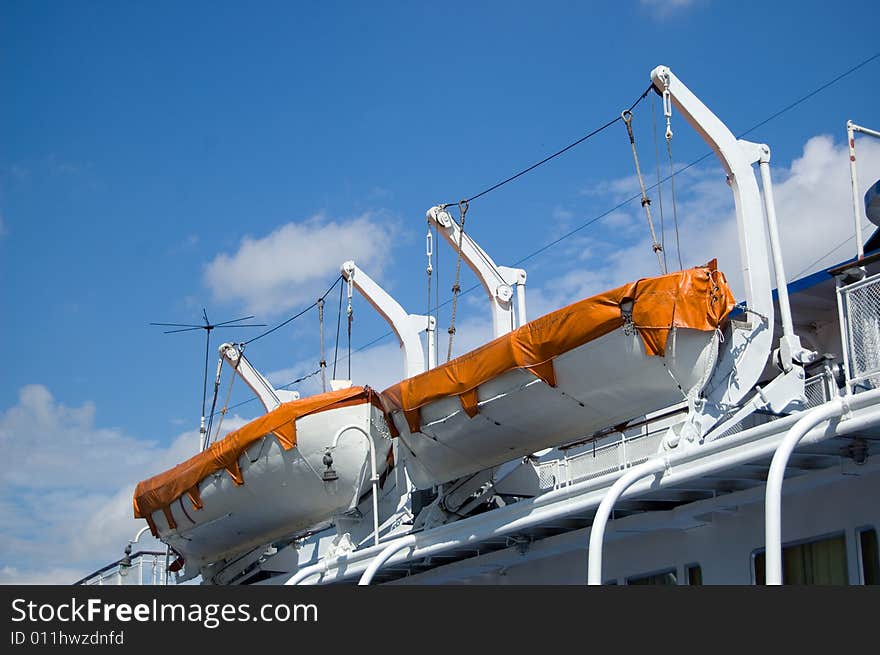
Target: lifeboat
x,y
596,363
269,478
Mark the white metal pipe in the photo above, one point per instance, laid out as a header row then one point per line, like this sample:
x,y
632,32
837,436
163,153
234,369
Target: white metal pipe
x,y
375,477
382,557
773,498
307,572
744,447
521,303
431,337
528,515
865,130
857,212
140,534
406,327
776,248
597,532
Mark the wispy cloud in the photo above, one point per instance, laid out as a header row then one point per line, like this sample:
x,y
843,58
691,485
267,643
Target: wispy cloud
x,y
279,271
664,8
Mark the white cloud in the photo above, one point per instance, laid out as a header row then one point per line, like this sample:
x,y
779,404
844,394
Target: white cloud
x,y
66,491
10,575
287,267
664,8
813,205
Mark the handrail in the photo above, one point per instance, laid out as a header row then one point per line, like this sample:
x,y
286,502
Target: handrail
x,y
597,532
773,498
384,556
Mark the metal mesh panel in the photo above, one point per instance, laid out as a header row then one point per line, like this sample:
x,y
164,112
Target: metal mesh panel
x,y
816,391
592,464
640,450
548,474
862,302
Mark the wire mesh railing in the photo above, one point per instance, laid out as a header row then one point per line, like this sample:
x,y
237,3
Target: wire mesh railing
x,y
860,316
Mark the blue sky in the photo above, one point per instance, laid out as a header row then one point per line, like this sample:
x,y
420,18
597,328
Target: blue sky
x,y
157,158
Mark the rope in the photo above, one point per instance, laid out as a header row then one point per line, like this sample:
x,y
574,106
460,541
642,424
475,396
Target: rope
x,y
627,117
456,287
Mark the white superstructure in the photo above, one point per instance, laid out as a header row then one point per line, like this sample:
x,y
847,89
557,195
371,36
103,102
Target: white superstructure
x,y
738,457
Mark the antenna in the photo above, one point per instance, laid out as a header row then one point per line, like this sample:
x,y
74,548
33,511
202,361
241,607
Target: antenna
x,y
207,327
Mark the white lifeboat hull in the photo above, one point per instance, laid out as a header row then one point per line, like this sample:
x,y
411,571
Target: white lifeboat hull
x,y
283,490
602,383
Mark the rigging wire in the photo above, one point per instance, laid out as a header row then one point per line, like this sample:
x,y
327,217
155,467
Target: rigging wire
x,y
606,213
283,386
456,286
558,152
225,405
436,291
295,316
833,250
627,117
323,362
336,342
350,315
214,401
674,206
658,185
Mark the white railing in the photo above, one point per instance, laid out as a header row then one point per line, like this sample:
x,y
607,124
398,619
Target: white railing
x,y
598,460
631,449
146,568
859,305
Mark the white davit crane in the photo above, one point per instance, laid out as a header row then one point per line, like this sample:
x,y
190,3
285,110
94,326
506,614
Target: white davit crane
x,y
262,388
407,327
497,281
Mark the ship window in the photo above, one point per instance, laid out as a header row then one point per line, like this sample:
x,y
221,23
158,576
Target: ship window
x,y
817,562
661,578
870,556
694,575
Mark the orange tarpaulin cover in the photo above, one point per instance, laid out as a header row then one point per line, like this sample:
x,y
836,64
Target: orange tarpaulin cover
x,y
697,298
161,490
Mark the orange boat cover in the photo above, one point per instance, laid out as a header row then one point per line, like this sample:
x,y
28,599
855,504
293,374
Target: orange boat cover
x,y
697,298
161,490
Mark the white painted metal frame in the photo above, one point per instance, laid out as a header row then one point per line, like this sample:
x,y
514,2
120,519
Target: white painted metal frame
x,y
497,281
851,129
739,369
745,354
262,388
773,492
406,326
374,476
681,466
